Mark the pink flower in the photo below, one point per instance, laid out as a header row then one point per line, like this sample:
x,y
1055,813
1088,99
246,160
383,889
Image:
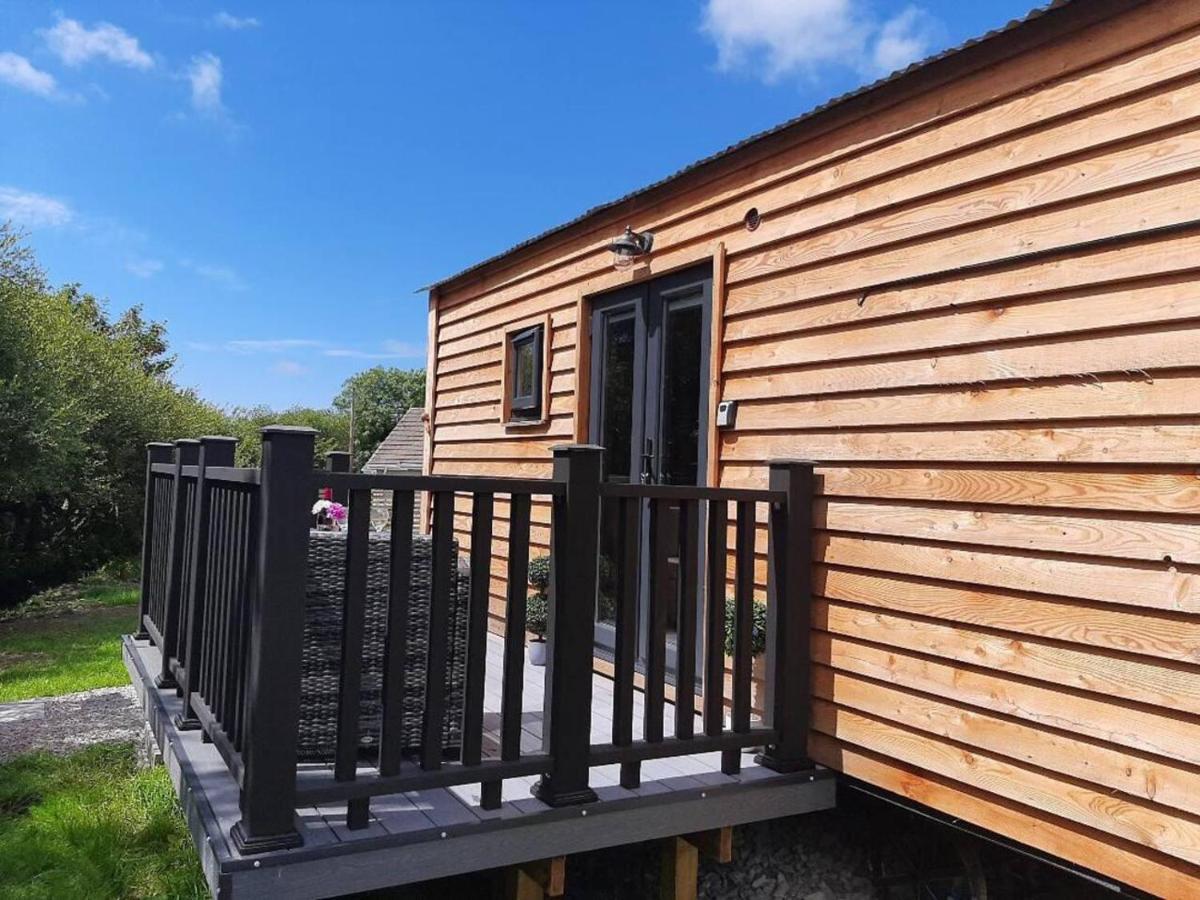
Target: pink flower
x,y
337,512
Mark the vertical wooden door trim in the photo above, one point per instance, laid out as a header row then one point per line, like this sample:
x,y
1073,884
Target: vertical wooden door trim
x,y
716,363
430,399
583,369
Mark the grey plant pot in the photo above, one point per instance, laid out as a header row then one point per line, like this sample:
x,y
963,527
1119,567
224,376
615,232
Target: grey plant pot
x,y
537,653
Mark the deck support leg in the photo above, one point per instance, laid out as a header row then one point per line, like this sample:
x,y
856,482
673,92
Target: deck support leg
x,y
680,869
716,845
520,885
542,878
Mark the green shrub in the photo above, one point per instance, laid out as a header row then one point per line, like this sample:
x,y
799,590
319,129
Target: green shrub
x,y
758,630
537,605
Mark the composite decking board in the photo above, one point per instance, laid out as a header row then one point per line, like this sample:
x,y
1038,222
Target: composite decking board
x,y
335,859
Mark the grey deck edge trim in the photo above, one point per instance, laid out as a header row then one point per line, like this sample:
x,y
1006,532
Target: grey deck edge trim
x,y
390,860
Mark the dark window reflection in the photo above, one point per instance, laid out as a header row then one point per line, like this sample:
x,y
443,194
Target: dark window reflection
x,y
618,395
682,343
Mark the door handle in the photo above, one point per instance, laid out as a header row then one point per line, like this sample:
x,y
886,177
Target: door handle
x,y
648,462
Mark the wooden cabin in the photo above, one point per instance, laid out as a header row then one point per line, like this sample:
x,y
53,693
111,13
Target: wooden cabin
x,y
970,294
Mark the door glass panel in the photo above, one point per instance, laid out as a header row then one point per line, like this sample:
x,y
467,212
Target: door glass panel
x,y
616,435
682,355
617,401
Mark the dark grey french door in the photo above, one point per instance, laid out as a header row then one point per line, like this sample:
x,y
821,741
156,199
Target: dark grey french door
x,y
649,410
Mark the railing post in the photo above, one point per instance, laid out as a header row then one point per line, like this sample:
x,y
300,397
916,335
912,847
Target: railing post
x,y
156,452
276,634
214,451
575,553
789,617
338,461
187,452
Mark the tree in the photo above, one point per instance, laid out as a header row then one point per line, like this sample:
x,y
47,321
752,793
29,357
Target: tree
x,y
80,397
245,424
381,395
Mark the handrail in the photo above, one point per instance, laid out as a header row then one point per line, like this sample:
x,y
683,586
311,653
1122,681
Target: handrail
x,y
690,492
456,483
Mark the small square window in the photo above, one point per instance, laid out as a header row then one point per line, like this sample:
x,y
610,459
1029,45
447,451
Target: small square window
x,y
525,376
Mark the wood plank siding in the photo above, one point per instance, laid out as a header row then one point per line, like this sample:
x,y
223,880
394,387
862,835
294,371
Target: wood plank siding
x,y
974,299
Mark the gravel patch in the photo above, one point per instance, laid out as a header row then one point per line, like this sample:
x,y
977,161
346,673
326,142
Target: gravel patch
x,y
62,724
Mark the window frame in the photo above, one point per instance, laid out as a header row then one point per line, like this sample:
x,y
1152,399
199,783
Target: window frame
x,y
532,408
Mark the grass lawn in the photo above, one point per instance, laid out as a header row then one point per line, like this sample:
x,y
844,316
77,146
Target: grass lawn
x,y
92,825
66,640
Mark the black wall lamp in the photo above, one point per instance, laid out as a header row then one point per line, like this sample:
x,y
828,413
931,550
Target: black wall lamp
x,y
630,246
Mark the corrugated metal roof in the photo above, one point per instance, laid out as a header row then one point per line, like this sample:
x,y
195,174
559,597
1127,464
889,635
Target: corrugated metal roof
x,y
1029,17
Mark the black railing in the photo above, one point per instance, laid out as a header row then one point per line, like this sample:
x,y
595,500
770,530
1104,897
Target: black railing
x,y
224,594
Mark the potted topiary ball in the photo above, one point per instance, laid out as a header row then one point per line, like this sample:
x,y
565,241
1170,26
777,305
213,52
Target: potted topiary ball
x,y
537,609
758,646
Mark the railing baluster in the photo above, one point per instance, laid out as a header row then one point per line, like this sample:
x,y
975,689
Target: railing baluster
x,y
186,454
214,451
685,642
439,626
656,646
354,614
156,452
222,538
714,650
481,569
743,600
789,617
512,688
391,746
625,656
241,621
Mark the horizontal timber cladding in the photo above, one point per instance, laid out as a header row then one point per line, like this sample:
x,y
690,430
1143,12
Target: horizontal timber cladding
x,y
978,308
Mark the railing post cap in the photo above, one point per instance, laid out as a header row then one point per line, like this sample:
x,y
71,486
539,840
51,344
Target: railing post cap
x,y
187,442
217,439
780,463
575,448
287,429
156,444
337,452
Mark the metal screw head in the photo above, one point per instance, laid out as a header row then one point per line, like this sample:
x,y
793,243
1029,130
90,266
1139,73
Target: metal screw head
x,y
258,864
583,812
443,834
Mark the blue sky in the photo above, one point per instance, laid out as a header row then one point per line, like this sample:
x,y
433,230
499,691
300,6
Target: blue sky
x,y
275,180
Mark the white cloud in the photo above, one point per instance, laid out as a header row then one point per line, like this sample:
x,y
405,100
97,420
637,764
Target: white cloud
x,y
222,276
903,39
234,23
76,44
144,268
270,345
405,348
780,38
21,73
33,210
289,368
391,350
205,74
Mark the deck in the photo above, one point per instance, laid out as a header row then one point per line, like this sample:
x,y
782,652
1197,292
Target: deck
x,y
419,835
